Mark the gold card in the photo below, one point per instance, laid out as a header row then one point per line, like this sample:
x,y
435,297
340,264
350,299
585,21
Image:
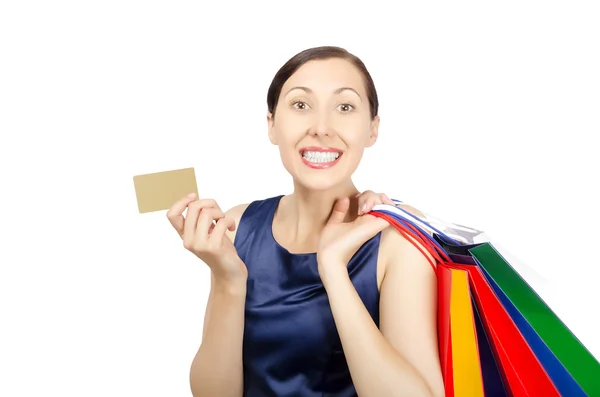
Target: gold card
x,y
160,190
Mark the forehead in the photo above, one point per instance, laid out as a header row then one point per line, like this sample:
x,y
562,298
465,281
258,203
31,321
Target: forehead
x,y
326,75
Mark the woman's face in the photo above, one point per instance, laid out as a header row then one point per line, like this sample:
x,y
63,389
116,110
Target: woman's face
x,y
322,123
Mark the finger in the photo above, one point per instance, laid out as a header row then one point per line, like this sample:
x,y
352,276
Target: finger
x,y
189,228
361,204
194,210
367,204
205,221
371,201
387,200
222,225
366,192
207,203
339,210
175,213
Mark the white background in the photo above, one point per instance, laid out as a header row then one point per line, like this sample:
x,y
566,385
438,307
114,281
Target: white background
x,y
490,114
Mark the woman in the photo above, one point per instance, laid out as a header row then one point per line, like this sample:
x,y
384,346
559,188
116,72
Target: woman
x,y
310,295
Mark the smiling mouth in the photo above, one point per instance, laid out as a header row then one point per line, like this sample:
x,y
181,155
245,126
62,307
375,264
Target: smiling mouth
x,y
320,157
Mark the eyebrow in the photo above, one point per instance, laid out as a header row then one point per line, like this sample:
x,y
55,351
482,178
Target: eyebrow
x,y
338,91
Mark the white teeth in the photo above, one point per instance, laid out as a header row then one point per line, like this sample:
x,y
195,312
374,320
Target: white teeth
x,y
320,157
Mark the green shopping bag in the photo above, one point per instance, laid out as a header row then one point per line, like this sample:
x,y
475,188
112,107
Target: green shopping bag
x,y
573,355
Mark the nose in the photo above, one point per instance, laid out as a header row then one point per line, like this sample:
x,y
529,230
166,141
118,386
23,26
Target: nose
x,y
321,126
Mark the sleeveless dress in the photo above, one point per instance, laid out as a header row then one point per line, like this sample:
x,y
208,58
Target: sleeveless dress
x,y
291,345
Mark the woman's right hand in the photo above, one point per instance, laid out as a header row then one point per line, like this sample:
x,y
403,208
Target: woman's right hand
x,y
203,233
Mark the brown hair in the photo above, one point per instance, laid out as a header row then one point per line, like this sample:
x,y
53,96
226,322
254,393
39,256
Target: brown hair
x,y
320,53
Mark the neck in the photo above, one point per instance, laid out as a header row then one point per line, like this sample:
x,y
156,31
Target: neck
x,y
307,211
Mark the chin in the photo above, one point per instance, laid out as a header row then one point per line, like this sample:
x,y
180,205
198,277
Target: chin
x,y
322,176
321,180
318,183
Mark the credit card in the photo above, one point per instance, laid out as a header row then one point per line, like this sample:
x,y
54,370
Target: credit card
x,y
160,190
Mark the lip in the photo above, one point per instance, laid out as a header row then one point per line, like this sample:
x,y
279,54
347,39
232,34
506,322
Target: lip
x,y
319,149
320,166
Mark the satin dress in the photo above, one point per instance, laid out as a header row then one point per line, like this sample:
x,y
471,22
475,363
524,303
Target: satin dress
x,y
291,346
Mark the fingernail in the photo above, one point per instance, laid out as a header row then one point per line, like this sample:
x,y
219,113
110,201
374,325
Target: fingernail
x,y
192,195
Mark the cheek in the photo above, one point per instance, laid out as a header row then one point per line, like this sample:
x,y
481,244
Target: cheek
x,y
287,142
288,139
290,130
354,133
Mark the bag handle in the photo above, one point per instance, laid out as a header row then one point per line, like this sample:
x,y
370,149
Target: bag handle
x,y
407,215
397,213
412,233
413,237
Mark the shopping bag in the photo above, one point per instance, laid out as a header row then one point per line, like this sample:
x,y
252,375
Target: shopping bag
x,y
491,375
522,373
573,369
461,371
569,364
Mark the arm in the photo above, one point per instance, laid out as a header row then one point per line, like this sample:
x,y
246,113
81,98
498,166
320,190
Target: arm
x,y
217,367
402,358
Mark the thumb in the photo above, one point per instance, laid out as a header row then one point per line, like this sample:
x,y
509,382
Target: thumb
x,y
387,200
340,209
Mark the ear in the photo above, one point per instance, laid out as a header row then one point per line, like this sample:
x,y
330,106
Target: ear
x,y
374,131
271,128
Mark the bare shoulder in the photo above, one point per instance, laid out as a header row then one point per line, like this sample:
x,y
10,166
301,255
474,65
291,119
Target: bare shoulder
x,y
392,244
235,213
412,210
391,240
398,250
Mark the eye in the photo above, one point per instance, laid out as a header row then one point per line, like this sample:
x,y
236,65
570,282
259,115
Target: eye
x,y
300,105
345,108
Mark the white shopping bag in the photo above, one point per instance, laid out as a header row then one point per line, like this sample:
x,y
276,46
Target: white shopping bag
x,y
465,235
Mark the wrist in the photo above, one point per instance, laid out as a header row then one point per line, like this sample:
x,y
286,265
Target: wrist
x,y
231,286
331,273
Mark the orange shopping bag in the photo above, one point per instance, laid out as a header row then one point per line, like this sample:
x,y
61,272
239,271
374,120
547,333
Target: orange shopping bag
x,y
459,353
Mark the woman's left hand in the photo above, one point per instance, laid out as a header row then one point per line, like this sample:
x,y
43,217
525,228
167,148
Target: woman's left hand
x,y
340,240
368,199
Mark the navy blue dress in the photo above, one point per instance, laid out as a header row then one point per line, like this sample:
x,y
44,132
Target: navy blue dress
x,y
291,345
